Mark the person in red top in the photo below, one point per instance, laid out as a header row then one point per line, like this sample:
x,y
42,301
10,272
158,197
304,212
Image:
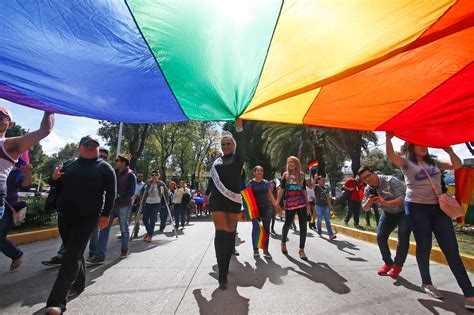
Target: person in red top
x,y
354,202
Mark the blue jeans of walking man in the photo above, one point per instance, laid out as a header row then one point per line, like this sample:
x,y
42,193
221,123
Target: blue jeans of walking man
x,y
122,213
388,222
323,212
150,212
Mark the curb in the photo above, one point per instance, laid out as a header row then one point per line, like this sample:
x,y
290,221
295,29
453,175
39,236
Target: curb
x,y
436,253
34,236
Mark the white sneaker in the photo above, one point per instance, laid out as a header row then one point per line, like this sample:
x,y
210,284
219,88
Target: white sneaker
x,y
431,290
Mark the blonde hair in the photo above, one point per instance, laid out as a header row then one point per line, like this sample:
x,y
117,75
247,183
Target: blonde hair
x,y
228,135
299,177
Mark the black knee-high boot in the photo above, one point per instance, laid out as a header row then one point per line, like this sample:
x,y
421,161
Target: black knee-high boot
x,y
220,241
230,246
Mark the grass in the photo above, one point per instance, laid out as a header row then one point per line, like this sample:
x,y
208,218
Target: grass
x,y
464,233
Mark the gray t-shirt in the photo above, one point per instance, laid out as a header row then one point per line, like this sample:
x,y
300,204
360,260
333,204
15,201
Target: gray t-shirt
x,y
154,195
419,188
389,188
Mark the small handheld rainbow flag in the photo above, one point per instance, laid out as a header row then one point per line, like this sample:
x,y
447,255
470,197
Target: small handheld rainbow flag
x,y
313,166
249,203
259,235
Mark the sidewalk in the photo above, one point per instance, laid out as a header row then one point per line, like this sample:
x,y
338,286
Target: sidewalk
x,y
177,276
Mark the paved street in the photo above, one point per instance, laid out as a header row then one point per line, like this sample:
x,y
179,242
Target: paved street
x,y
178,276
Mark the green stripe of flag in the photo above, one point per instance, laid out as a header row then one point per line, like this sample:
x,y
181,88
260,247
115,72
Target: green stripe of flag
x,y
211,52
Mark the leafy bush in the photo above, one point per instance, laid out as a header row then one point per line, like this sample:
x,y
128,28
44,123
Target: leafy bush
x,y
35,214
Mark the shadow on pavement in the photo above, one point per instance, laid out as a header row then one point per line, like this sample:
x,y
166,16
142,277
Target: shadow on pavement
x,y
229,301
453,302
342,245
35,289
321,273
407,284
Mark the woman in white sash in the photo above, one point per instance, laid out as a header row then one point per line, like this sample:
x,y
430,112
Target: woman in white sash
x,y
225,201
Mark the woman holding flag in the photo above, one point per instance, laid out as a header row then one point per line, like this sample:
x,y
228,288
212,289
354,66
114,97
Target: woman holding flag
x,y
296,202
264,199
225,201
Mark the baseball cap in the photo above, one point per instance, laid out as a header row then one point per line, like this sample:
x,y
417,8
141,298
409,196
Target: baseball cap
x,y
88,139
6,113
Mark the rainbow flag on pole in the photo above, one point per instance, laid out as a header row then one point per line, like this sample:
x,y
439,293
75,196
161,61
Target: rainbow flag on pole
x,y
249,203
313,166
259,235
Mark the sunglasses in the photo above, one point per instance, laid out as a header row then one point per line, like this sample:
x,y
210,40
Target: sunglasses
x,y
153,174
104,157
223,144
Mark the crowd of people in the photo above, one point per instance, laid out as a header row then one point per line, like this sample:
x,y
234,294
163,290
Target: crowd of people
x,y
91,194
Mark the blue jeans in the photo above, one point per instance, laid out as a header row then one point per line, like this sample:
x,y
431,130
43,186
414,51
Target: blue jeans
x,y
122,213
374,207
388,222
150,211
6,246
323,212
428,219
179,214
163,216
266,218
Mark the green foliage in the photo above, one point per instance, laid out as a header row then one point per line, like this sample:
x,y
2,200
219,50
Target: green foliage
x,y
133,141
35,214
15,131
176,149
378,161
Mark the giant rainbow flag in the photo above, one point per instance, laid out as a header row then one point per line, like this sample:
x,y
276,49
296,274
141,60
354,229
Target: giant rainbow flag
x,y
465,193
405,66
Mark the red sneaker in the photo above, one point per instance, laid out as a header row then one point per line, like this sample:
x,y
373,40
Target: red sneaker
x,y
383,271
394,272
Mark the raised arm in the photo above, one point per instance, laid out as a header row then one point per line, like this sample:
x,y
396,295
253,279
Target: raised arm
x,y
241,149
394,157
16,145
455,160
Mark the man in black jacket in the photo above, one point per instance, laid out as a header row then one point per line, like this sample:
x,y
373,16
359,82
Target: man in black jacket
x,y
81,208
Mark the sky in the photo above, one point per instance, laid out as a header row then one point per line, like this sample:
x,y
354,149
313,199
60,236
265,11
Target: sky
x,y
71,129
67,129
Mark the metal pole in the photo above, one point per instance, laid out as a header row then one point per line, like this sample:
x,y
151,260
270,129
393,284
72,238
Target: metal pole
x,y
39,183
119,140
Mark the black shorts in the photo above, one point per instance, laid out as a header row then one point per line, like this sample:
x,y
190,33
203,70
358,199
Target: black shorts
x,y
221,203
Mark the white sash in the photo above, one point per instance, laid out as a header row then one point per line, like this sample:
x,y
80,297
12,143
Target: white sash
x,y
237,198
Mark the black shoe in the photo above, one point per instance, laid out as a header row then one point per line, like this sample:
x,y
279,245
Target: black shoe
x,y
74,294
53,262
